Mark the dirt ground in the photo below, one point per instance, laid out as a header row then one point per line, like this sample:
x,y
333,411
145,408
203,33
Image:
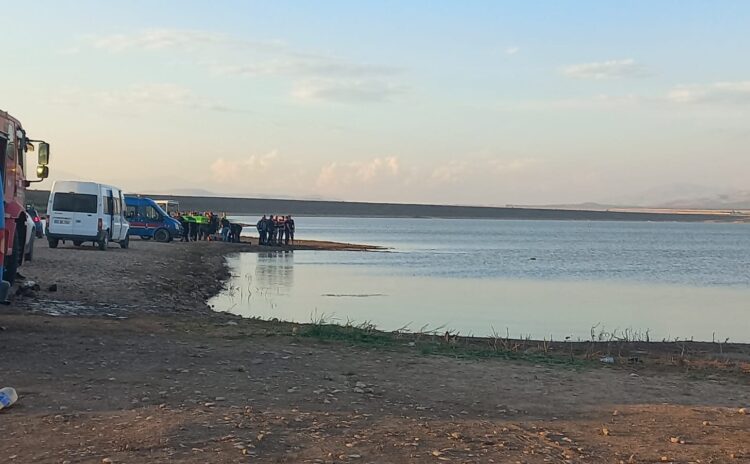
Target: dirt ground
x,y
124,362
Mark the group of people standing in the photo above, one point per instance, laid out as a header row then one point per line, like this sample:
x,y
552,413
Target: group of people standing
x,y
272,230
208,226
275,230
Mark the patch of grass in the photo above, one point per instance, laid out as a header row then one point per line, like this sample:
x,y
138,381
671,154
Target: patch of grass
x,y
631,352
366,335
347,333
474,352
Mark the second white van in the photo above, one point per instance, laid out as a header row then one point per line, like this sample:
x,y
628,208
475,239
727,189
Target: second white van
x,y
86,212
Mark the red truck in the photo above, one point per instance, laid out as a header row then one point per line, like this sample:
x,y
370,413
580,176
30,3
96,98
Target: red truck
x,y
14,143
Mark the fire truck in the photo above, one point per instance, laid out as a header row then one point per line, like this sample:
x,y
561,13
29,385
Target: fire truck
x,y
14,144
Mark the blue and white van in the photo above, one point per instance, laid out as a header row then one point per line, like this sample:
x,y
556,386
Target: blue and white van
x,y
147,220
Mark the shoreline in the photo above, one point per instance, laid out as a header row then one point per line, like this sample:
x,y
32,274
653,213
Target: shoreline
x,y
135,367
308,245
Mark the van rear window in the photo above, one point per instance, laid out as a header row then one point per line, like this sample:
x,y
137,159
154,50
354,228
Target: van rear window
x,y
74,202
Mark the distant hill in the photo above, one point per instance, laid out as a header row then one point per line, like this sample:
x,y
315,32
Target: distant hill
x,y
259,206
733,200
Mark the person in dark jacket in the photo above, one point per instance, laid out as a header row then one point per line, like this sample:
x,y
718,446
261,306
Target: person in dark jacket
x,y
236,231
289,230
270,230
213,226
193,228
280,230
225,230
262,234
185,228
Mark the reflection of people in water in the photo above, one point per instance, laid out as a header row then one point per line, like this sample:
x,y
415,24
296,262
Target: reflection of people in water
x,y
274,271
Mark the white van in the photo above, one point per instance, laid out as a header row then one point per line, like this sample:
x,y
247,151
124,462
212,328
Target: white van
x,y
86,212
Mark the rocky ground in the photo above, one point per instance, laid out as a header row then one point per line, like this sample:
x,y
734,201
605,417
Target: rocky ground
x,y
124,362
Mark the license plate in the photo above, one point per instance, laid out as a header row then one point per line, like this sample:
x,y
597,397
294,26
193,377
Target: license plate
x,y
62,221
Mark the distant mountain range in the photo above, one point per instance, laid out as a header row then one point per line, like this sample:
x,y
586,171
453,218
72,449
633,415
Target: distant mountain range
x,y
678,197
735,200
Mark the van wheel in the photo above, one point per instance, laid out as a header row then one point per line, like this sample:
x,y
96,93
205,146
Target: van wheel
x,y
53,242
11,268
77,243
161,235
30,255
104,242
125,243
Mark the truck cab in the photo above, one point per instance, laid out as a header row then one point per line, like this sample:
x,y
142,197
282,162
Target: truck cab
x,y
148,220
14,144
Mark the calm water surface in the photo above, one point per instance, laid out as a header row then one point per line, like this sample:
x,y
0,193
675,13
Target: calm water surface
x,y
538,278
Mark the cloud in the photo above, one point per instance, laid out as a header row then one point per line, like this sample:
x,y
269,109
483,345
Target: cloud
x,y
384,178
459,171
156,39
335,176
346,90
263,57
147,94
252,167
69,51
139,98
613,69
313,76
503,166
718,92
512,50
295,66
451,172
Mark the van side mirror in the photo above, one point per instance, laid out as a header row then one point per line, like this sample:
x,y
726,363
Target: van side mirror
x,y
43,154
42,172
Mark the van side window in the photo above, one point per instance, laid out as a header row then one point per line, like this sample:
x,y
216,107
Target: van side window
x,y
108,207
130,211
152,214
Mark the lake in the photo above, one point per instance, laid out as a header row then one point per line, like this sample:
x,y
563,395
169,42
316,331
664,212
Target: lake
x,y
530,278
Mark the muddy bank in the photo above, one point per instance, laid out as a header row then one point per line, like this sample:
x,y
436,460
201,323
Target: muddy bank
x,y
165,380
320,245
147,277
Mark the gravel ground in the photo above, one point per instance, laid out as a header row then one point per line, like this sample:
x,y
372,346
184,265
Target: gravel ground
x,y
124,362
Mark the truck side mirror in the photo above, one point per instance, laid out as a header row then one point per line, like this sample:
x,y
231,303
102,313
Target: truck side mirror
x,y
42,172
43,155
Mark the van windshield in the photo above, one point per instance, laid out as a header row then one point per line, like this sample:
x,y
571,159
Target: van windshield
x,y
74,202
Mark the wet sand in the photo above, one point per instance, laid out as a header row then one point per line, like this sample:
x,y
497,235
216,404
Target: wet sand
x,y
126,362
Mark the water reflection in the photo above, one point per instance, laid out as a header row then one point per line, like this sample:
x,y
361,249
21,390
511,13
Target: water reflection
x,y
272,285
275,270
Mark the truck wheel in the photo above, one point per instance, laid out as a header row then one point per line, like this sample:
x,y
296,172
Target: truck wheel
x,y
53,242
161,235
125,243
11,268
104,242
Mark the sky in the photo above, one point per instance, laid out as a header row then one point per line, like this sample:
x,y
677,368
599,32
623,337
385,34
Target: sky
x,y
472,102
